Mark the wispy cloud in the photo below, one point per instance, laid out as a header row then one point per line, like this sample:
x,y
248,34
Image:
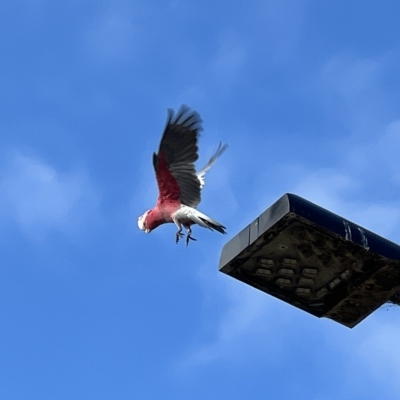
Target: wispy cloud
x,y
350,76
285,21
362,180
349,87
38,198
378,154
380,351
230,59
111,37
347,188
234,335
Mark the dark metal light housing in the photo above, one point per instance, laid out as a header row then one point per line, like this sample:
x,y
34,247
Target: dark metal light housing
x,y
315,260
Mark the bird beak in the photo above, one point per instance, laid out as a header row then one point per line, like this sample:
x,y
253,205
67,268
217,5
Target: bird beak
x,y
147,230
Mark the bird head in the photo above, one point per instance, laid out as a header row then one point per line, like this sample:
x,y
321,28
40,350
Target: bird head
x,y
142,222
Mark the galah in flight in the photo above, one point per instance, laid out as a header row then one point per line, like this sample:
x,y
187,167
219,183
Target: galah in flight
x,y
179,184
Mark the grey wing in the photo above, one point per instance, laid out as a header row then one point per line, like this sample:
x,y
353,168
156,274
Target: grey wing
x,y
179,147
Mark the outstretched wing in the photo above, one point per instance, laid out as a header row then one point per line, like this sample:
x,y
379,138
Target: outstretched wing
x,y
202,173
174,163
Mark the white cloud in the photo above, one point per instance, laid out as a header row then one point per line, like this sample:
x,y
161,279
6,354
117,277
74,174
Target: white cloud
x,y
38,198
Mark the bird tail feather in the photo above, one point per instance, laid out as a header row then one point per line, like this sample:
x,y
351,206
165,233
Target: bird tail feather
x,y
206,221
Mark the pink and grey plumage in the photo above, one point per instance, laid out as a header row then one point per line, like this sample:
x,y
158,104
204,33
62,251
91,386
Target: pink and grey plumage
x,y
179,184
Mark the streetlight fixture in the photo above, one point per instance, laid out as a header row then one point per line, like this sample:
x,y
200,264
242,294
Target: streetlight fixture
x,y
315,260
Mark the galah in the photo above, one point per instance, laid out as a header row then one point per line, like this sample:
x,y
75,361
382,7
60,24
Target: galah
x,y
179,184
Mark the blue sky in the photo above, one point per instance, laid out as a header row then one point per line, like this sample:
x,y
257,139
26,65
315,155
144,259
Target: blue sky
x,y
307,95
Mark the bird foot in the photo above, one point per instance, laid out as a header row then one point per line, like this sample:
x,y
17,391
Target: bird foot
x,y
188,237
178,236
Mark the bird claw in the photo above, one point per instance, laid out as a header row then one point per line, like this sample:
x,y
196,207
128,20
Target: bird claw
x,y
178,236
188,237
